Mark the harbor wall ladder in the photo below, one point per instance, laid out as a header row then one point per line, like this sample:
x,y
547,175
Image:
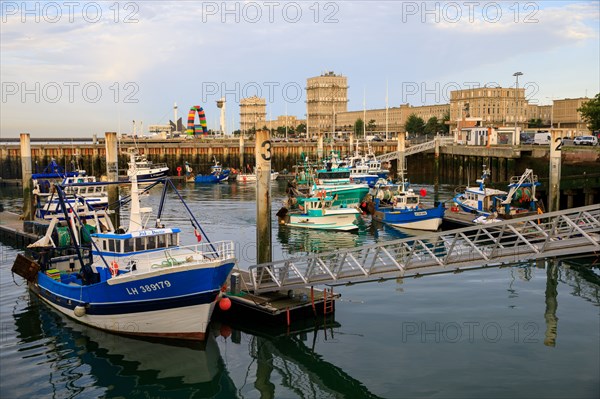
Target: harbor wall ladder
x,y
567,232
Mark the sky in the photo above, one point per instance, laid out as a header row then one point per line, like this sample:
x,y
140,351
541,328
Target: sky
x,y
74,69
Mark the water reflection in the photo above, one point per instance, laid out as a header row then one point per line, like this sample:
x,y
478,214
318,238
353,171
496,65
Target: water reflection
x,y
300,369
122,366
580,276
551,303
304,241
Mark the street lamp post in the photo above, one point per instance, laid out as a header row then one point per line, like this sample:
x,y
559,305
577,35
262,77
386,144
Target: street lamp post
x,y
517,74
551,112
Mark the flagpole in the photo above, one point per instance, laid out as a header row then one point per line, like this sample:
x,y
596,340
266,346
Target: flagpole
x,y
386,109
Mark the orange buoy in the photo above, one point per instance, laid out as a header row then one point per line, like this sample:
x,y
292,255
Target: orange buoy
x,y
114,268
224,303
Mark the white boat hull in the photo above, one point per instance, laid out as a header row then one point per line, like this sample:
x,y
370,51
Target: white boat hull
x,y
188,322
427,224
340,221
252,178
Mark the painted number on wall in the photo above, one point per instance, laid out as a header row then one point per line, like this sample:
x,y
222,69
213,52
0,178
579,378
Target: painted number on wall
x,y
266,154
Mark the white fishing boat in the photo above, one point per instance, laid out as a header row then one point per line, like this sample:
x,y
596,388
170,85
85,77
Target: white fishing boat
x,y
90,195
139,281
146,169
318,213
498,204
251,177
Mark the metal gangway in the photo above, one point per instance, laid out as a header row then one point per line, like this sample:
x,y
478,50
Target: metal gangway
x,y
561,233
413,149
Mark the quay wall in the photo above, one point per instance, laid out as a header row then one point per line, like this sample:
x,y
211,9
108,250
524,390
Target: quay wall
x,y
456,165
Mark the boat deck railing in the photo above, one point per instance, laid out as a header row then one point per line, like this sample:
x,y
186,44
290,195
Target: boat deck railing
x,y
572,231
179,256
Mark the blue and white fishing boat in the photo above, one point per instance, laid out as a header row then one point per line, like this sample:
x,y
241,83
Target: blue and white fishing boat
x,y
141,281
146,169
318,213
217,175
498,204
366,168
92,196
400,206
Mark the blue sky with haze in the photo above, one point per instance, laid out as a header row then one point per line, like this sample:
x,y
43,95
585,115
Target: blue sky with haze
x,y
74,69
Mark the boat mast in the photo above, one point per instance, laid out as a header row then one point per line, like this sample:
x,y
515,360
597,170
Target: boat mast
x,y
386,110
365,113
135,218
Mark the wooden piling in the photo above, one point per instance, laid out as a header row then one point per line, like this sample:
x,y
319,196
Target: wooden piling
x,y
242,168
28,212
555,165
112,173
262,151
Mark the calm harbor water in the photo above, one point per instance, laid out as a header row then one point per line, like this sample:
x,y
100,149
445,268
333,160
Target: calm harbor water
x,y
531,330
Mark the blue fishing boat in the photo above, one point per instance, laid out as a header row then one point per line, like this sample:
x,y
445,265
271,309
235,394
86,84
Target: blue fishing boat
x,y
498,204
400,206
140,281
217,175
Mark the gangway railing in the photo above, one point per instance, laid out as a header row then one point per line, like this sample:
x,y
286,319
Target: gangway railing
x,y
573,231
413,149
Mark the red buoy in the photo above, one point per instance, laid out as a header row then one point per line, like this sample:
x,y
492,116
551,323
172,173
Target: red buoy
x,y
423,192
224,303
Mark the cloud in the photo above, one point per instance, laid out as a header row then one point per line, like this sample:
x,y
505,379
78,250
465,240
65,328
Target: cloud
x,y
172,48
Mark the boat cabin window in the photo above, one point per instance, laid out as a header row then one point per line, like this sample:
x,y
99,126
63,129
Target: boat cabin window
x,y
162,241
151,243
139,244
174,239
412,200
128,245
112,247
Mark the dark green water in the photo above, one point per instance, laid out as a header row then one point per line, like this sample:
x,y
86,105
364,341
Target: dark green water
x,y
532,330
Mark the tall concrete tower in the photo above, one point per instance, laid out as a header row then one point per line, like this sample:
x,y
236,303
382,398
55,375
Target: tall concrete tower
x,y
326,95
221,106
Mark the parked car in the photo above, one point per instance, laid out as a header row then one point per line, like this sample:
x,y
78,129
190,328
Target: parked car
x,y
585,140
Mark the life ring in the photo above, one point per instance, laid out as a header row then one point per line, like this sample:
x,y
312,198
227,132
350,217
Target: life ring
x,y
114,268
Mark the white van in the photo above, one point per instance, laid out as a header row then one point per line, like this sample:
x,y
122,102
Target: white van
x,y
541,138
